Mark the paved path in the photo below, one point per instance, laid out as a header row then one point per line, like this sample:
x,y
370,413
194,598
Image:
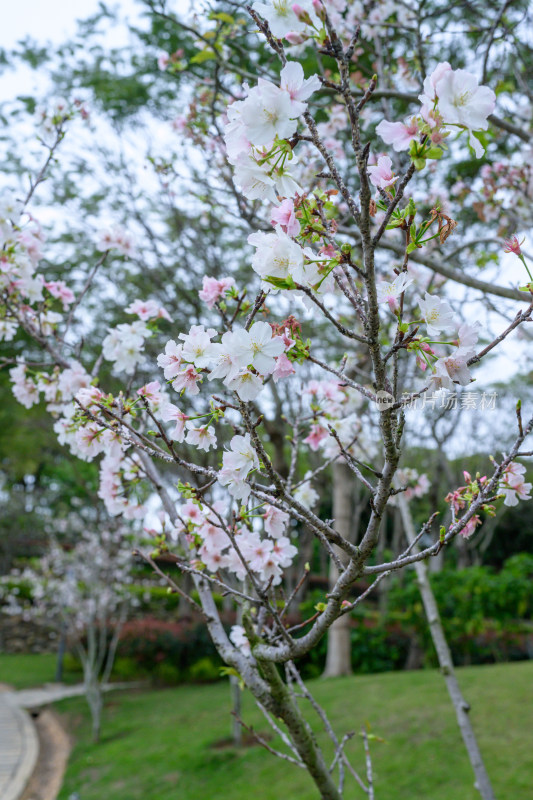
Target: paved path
x,y
19,745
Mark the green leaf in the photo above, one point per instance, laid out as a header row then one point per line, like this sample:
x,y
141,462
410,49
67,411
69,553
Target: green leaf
x,y
223,17
281,283
203,55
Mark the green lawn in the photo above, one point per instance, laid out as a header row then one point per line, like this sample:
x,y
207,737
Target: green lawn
x,y
162,745
159,745
23,671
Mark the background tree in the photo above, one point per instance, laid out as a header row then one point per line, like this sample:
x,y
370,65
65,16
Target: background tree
x,y
350,228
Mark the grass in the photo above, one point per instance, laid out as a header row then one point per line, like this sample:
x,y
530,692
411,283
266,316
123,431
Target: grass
x,y
162,744
24,671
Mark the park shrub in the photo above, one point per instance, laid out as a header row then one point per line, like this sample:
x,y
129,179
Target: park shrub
x,y
487,617
169,651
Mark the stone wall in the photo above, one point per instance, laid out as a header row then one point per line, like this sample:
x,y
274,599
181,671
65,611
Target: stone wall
x,y
20,636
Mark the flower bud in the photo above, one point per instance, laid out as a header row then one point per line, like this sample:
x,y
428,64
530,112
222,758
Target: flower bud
x,y
295,38
302,14
320,11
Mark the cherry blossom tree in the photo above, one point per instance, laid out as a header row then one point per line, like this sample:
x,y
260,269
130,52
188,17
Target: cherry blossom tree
x,y
334,188
85,592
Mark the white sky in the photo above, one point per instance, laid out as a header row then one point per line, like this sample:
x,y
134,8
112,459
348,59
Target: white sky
x,y
47,21
53,20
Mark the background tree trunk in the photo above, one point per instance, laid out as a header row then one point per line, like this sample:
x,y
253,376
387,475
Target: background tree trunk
x,y
462,708
339,655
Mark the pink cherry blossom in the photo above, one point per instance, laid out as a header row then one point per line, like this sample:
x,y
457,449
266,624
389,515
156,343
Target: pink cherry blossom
x,y
317,434
147,309
450,370
283,369
513,484
512,245
151,392
24,388
381,175
398,134
275,521
283,551
212,289
187,379
171,360
60,290
285,217
171,413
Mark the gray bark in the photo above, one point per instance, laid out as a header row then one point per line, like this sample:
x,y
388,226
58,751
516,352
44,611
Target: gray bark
x,y
93,694
462,708
283,706
236,729
339,656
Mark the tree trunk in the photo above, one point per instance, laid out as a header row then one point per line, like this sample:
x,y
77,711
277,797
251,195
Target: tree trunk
x,y
284,707
462,708
236,728
61,653
339,652
93,695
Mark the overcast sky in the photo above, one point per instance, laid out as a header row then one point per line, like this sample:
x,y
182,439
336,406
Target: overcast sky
x,y
52,20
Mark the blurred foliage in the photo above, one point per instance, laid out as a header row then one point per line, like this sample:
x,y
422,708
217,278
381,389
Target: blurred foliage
x,y
487,618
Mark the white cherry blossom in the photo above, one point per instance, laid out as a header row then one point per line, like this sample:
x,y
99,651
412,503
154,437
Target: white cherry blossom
x,y
197,346
298,87
437,314
389,292
280,16
246,384
275,521
202,437
267,113
265,347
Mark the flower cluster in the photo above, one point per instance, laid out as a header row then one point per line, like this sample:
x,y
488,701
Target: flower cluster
x,y
449,369
513,484
238,548
451,98
117,239
241,359
412,483
258,128
336,423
